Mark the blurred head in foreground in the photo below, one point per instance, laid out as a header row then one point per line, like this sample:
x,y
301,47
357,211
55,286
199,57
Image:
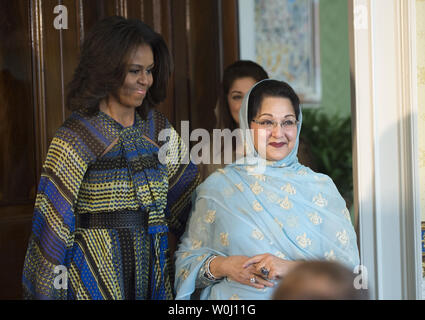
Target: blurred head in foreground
x,y
319,280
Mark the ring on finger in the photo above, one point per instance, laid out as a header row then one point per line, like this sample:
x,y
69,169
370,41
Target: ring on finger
x,y
264,272
253,280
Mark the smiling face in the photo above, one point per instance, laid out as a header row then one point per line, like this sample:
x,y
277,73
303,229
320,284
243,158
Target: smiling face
x,y
276,143
138,79
236,93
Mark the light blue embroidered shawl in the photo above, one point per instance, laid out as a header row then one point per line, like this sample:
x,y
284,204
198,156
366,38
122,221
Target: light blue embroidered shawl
x,y
285,209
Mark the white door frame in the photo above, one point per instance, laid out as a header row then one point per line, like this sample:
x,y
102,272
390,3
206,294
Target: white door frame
x,y
385,158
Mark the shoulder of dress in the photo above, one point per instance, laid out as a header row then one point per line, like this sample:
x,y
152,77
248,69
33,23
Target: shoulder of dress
x,y
79,120
154,123
86,132
158,119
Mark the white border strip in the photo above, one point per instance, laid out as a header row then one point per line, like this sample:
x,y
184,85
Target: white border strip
x,y
247,29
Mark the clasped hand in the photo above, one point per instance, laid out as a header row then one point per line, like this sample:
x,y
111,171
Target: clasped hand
x,y
256,271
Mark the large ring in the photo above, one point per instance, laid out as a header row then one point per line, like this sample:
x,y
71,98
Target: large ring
x,y
264,272
253,280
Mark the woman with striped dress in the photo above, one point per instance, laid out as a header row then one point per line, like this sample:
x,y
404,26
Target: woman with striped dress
x,y
108,212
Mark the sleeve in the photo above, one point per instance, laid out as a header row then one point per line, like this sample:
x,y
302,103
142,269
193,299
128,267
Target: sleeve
x,y
183,178
51,239
202,280
197,245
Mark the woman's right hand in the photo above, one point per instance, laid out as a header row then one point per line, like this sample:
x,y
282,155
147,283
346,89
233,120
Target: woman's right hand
x,y
232,268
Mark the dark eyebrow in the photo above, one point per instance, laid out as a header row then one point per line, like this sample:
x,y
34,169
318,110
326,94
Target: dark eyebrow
x,y
265,114
268,114
141,67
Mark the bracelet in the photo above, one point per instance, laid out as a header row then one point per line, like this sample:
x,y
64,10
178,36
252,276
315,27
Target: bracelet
x,y
207,273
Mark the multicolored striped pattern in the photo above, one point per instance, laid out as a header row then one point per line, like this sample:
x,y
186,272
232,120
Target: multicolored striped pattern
x,y
78,178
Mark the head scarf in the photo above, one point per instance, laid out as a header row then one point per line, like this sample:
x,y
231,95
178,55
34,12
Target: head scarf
x,y
252,156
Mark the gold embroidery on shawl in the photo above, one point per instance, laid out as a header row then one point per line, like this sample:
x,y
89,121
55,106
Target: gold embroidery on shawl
x,y
256,234
256,188
330,256
289,189
303,241
302,172
315,218
343,237
257,206
320,201
286,204
210,217
239,186
196,244
183,274
224,238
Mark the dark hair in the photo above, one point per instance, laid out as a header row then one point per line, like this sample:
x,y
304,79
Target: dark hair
x,y
319,280
237,70
271,88
103,63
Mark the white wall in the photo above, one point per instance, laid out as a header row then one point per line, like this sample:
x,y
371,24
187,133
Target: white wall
x,y
385,156
420,36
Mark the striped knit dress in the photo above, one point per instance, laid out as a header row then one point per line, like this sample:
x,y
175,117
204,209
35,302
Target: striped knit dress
x,y
104,207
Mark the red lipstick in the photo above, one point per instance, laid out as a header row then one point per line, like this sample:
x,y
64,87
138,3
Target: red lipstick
x,y
277,144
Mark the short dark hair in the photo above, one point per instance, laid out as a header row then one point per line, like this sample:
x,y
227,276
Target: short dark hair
x,y
271,88
237,70
103,63
319,280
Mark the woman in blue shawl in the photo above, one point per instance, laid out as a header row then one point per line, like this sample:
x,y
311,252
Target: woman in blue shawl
x,y
255,219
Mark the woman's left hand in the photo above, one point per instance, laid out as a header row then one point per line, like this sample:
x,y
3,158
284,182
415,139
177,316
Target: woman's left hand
x,y
269,266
